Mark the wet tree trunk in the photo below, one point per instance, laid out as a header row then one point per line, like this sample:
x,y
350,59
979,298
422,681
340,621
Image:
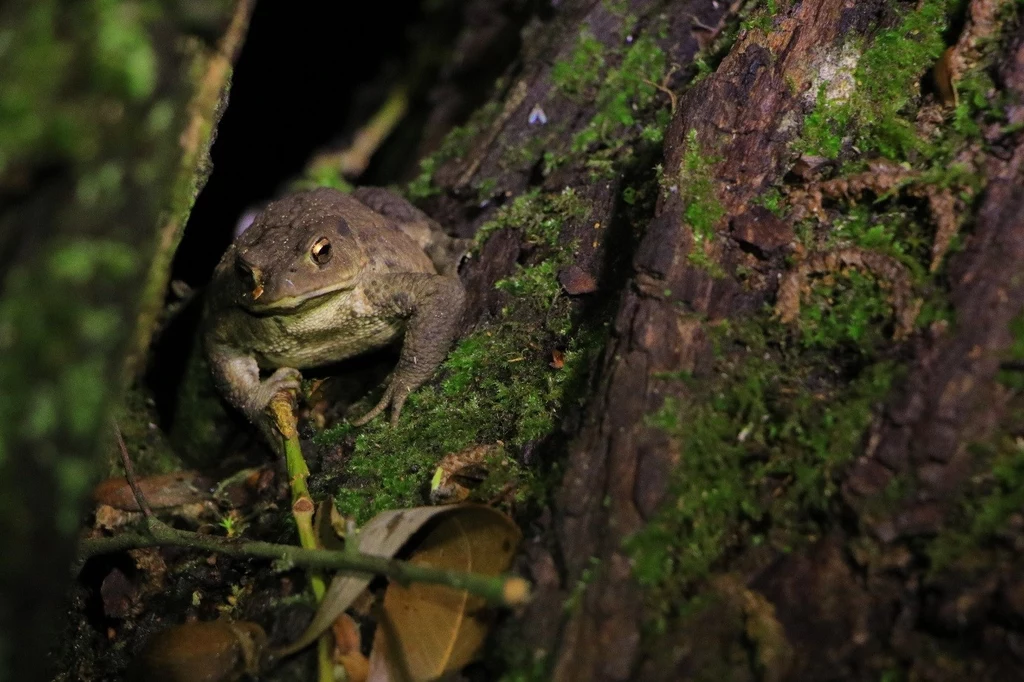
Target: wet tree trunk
x,y
747,494
107,112
799,453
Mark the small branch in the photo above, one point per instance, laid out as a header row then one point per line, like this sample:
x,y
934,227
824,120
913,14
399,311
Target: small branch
x,y
351,162
505,591
282,411
697,23
129,472
663,86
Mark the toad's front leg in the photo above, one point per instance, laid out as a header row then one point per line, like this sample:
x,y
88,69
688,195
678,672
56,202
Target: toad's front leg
x,y
433,306
238,377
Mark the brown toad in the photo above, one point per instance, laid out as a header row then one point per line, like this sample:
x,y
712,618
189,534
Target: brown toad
x,y
321,276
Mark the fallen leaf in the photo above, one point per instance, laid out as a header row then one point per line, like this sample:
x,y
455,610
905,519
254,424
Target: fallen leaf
x,y
120,595
945,75
428,630
216,651
575,280
347,649
459,472
161,491
383,535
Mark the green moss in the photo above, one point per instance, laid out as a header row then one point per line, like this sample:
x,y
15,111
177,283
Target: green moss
x,y
455,144
624,96
826,126
324,175
762,18
773,200
989,500
701,208
760,448
849,310
580,74
889,71
423,185
540,219
497,385
539,281
886,77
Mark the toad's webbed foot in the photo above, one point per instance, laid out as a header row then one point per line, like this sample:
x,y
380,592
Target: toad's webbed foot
x,y
433,306
394,396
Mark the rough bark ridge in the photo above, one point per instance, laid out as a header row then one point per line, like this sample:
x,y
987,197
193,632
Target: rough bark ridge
x,y
864,599
740,113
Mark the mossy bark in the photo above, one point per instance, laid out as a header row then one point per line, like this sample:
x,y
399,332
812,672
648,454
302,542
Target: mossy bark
x,y
107,111
797,455
830,485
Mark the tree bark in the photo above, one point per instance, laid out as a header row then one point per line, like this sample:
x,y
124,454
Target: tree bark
x,y
748,493
108,111
864,597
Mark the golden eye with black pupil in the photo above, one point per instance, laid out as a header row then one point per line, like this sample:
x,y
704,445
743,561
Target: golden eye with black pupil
x,y
321,251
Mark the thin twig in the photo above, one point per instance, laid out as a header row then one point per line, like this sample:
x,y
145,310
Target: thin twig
x,y
663,86
129,472
501,590
697,23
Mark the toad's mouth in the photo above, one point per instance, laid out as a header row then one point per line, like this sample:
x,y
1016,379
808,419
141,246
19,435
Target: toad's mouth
x,y
307,300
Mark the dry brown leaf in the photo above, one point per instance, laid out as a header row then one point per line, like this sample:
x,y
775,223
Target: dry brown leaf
x,y
217,651
383,535
945,75
426,630
347,649
575,280
458,472
161,491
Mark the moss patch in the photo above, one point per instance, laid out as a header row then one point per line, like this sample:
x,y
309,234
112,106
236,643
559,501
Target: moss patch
x,y
969,541
625,83
455,145
499,384
887,80
760,449
702,211
626,92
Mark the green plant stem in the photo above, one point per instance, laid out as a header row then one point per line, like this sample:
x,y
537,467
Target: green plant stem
x,y
499,590
302,511
298,472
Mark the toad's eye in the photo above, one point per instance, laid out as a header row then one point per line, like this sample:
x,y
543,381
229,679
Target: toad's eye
x,y
321,251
